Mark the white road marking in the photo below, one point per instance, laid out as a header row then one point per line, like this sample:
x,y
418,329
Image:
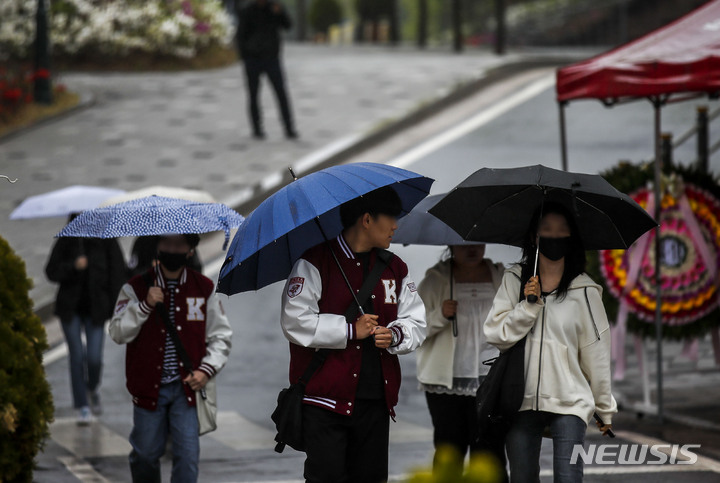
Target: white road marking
x,y
93,441
406,432
240,433
55,354
82,470
478,120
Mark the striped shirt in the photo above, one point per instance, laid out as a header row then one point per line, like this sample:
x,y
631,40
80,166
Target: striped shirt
x,y
171,368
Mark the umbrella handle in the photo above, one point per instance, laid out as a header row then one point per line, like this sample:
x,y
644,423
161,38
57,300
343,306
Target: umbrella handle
x,y
532,298
609,431
453,319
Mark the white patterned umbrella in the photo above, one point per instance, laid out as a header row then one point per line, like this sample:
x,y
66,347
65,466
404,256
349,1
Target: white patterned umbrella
x,y
63,202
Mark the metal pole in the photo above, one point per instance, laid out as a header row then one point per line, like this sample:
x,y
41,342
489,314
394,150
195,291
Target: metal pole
x,y
42,87
563,138
500,31
703,139
658,288
422,23
667,149
301,20
457,25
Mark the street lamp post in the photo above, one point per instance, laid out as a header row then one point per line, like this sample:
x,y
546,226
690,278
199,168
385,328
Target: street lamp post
x,y
42,87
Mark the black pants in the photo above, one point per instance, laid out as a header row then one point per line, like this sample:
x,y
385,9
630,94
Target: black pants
x,y
254,68
455,424
347,449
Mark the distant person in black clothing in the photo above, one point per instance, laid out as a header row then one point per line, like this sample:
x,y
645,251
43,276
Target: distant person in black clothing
x,y
258,37
90,272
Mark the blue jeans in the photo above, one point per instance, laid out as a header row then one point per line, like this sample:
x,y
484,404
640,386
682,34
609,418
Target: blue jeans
x,y
175,417
524,439
85,362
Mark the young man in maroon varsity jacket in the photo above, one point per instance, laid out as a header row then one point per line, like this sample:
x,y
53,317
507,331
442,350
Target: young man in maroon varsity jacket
x,y
350,398
163,391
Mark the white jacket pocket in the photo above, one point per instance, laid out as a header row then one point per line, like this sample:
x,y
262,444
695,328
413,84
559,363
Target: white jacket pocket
x,y
556,380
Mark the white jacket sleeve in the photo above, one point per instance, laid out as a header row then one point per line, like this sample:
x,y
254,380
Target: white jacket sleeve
x,y
301,320
218,337
595,357
432,290
410,324
509,320
129,316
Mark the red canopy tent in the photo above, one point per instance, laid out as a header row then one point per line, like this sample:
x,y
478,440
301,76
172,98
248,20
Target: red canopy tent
x,y
674,63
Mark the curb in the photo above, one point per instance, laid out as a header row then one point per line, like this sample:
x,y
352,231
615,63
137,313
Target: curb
x,y
86,101
346,148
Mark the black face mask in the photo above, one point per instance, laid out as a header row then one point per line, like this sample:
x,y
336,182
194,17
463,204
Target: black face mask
x,y
554,248
172,261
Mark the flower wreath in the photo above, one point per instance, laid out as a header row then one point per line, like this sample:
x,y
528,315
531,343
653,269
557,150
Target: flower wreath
x,y
690,255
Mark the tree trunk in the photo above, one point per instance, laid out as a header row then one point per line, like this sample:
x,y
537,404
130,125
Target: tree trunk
x,y
457,25
422,24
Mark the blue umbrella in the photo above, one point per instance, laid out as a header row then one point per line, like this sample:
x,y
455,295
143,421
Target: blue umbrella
x,y
153,215
286,224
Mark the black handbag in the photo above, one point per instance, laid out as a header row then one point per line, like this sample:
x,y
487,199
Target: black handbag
x,y
288,413
500,395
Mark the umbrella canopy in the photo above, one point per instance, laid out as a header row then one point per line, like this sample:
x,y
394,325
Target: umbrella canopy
x,y
497,205
681,57
421,228
301,215
164,191
63,202
154,215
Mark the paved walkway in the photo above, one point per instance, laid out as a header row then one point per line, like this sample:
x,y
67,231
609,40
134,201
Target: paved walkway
x,y
191,129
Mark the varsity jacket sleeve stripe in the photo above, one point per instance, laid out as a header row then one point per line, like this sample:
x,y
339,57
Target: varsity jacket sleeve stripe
x,y
129,316
410,325
301,320
595,358
218,338
508,320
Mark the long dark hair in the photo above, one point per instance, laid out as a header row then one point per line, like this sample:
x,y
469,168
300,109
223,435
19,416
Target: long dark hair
x,y
575,257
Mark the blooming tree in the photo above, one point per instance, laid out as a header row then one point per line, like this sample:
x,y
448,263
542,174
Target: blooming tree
x,y
119,28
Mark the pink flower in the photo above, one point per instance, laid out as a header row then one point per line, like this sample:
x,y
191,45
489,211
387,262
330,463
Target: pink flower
x,y
202,27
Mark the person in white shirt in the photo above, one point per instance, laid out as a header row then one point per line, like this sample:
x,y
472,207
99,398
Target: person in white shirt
x,y
450,368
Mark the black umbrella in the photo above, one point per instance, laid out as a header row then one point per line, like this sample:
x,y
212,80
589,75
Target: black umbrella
x,y
497,205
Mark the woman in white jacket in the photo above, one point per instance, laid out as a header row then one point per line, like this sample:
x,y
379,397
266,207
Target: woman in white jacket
x,y
450,368
567,350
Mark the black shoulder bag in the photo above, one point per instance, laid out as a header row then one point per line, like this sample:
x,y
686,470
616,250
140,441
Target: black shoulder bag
x,y
501,393
288,413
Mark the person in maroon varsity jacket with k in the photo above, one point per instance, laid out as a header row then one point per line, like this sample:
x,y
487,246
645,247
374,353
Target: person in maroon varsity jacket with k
x,y
163,391
349,400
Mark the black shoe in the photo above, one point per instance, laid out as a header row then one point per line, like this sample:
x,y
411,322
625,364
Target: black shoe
x,y
292,134
259,135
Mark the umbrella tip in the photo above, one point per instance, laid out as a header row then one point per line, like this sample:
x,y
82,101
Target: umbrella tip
x,y
292,173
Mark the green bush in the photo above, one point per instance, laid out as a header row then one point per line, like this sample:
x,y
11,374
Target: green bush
x,y
26,407
324,13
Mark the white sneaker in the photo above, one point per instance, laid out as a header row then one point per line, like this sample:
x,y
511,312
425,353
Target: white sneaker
x,y
84,417
95,405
